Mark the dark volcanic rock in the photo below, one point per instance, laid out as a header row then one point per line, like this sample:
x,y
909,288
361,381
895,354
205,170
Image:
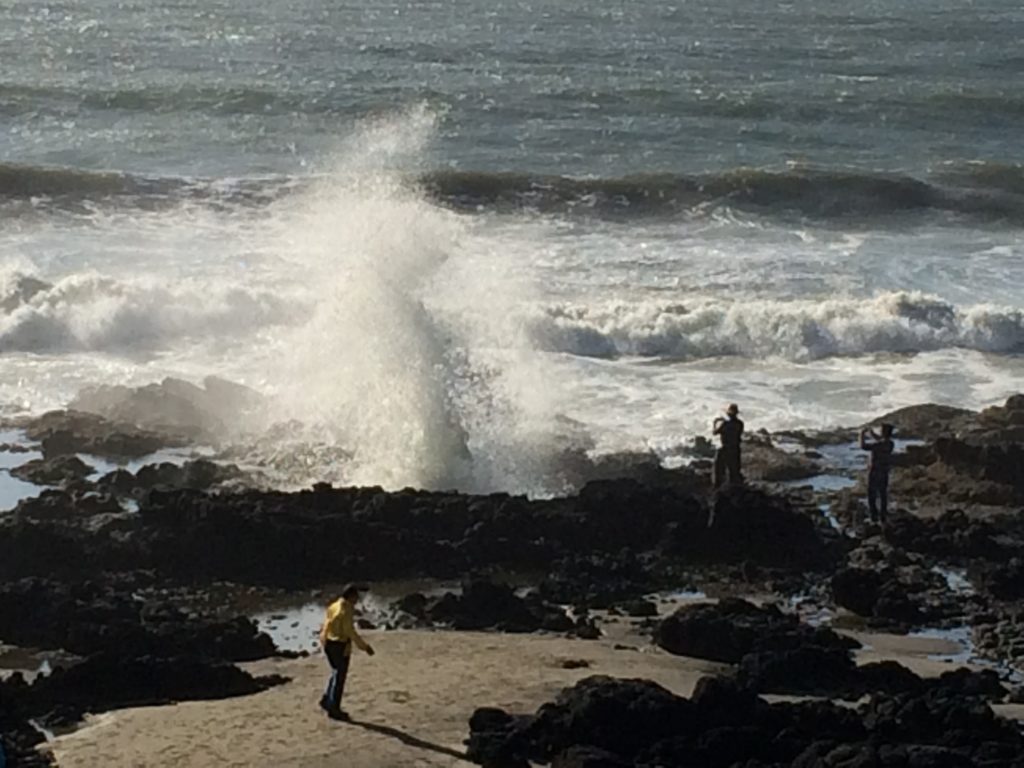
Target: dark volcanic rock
x,y
898,596
597,580
18,739
929,421
730,629
588,757
486,605
750,525
58,470
198,474
805,670
614,542
67,432
112,680
620,716
726,726
93,617
763,461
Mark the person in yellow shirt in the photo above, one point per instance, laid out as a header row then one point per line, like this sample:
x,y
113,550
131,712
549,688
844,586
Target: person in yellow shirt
x,y
337,636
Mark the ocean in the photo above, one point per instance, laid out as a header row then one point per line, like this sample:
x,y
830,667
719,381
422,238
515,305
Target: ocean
x,y
454,243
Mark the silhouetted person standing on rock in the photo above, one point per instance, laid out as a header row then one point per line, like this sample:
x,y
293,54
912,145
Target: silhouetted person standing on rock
x,y
727,460
879,463
337,636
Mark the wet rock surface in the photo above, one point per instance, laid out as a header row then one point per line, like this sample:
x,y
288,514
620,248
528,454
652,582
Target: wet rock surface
x,y
63,433
57,470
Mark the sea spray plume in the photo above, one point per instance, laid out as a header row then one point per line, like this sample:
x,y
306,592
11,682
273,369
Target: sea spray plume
x,y
417,360
370,371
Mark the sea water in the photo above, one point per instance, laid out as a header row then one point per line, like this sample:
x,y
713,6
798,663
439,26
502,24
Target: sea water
x,y
461,241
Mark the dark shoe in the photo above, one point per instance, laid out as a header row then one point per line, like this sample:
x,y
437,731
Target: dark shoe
x,y
338,714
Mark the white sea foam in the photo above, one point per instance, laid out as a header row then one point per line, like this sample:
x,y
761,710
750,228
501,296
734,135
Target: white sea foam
x,y
402,344
800,330
89,312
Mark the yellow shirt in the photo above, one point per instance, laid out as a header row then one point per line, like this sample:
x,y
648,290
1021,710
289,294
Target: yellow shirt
x,y
340,626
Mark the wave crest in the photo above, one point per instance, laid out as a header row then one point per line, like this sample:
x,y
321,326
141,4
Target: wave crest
x,y
899,322
90,312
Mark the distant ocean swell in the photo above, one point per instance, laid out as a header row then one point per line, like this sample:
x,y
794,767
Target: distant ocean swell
x,y
987,191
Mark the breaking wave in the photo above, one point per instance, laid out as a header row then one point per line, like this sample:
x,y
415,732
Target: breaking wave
x,y
794,330
93,313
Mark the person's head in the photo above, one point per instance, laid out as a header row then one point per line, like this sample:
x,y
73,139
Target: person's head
x,y
733,410
352,592
887,430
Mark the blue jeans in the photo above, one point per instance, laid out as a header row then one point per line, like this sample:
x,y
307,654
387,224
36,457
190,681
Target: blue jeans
x,y
338,657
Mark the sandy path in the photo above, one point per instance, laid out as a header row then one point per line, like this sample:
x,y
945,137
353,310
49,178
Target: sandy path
x,y
411,702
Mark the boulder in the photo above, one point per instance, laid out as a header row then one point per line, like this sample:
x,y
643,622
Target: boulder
x,y
732,628
56,470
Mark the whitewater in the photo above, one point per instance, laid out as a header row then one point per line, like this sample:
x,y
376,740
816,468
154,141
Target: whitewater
x,y
447,269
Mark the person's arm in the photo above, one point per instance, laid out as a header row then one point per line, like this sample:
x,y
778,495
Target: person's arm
x,y
352,634
864,446
716,426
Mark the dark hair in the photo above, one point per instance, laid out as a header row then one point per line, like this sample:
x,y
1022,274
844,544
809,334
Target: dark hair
x,y
351,590
887,429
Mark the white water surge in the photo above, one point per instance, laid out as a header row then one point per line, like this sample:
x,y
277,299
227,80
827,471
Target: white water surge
x,y
401,343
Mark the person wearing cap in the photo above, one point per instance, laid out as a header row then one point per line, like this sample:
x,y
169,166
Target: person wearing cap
x,y
727,461
881,448
337,636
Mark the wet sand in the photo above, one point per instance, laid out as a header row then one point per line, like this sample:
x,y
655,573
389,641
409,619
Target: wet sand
x,y
410,703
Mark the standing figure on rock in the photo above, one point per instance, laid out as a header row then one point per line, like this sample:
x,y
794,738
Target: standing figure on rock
x,y
881,448
337,636
727,461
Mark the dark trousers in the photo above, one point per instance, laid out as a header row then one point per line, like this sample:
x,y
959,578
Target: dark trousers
x,y
878,495
338,657
727,462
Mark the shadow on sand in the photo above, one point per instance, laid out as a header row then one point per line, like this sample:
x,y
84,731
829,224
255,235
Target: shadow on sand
x,y
409,739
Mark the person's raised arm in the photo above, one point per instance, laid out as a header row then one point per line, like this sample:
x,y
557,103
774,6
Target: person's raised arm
x,y
864,439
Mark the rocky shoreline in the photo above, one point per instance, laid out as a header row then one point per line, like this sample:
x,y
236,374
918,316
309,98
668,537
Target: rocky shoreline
x,y
136,573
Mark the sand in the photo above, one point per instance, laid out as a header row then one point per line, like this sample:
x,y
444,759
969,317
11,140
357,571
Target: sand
x,y
410,703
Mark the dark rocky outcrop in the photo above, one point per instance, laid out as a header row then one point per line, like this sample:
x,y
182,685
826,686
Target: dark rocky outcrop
x,y
61,433
630,531
723,725
196,474
57,470
730,629
484,604
95,616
